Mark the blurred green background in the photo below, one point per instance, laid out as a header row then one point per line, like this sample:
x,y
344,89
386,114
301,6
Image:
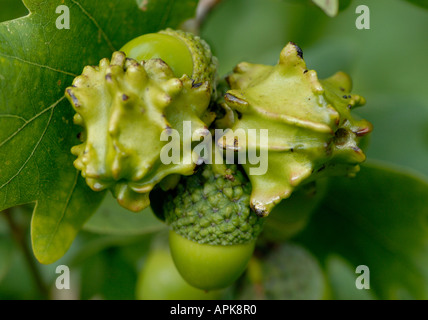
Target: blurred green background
x,y
387,63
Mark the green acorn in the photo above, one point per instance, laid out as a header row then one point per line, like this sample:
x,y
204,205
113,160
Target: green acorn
x,y
287,272
125,106
184,52
311,132
213,229
159,279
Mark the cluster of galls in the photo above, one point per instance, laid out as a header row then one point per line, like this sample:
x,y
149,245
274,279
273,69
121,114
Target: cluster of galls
x,y
125,104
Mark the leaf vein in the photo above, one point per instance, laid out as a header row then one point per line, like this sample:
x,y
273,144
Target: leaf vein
x,y
37,64
30,120
13,116
37,144
94,21
67,202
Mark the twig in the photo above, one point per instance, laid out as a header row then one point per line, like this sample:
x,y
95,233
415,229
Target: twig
x,y
19,236
204,9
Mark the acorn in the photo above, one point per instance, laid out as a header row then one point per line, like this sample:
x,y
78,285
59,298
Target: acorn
x,y
213,230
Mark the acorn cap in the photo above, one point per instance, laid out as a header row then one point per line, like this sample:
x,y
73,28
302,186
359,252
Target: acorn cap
x,y
204,63
213,207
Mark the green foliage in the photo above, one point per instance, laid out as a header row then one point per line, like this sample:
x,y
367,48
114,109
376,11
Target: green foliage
x,y
6,254
111,218
421,3
37,131
291,215
341,279
378,219
12,9
110,274
330,7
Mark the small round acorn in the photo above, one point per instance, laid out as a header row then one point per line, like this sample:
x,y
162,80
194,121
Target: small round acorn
x,y
209,267
159,279
213,229
287,271
184,52
161,46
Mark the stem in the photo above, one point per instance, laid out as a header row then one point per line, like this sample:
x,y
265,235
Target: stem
x,y
204,9
19,235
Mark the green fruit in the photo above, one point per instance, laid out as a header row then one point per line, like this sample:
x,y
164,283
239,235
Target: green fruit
x,y
213,228
312,133
124,106
184,52
288,272
168,48
209,267
160,280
